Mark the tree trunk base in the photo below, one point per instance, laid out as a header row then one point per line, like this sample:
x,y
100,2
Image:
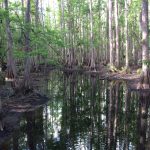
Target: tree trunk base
x,y
9,73
22,88
145,80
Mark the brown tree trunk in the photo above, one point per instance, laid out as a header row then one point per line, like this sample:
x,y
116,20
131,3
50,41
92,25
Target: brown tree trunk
x,y
11,67
110,32
145,83
71,51
37,13
117,33
62,26
36,58
92,65
126,35
27,78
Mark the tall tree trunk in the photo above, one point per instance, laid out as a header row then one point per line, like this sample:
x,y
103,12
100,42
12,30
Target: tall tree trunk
x,y
42,15
92,65
145,52
62,26
27,78
11,67
126,35
37,13
71,51
36,58
117,33
110,32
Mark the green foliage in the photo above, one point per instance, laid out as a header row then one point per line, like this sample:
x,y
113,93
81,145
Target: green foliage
x,y
2,13
40,52
53,62
49,37
19,54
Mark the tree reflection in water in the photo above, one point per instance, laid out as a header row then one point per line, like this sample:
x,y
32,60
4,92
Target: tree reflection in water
x,y
85,113
143,143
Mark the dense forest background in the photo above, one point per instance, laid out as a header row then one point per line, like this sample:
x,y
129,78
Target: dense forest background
x,y
71,33
100,37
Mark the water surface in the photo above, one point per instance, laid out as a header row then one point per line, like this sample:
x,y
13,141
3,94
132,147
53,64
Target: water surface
x,y
84,113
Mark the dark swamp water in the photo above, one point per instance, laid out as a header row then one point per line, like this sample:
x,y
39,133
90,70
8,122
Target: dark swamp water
x,y
84,113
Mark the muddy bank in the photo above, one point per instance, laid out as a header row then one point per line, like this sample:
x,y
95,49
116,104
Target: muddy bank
x,y
132,79
104,73
26,103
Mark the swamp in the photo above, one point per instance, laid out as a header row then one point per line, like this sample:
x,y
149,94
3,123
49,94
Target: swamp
x,y
74,75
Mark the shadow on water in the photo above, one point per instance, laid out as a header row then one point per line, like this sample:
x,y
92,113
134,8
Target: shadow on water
x,y
84,113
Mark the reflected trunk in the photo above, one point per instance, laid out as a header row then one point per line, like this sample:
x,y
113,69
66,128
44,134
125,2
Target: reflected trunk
x,y
127,111
116,113
1,116
64,121
111,118
31,139
72,109
15,142
92,120
142,121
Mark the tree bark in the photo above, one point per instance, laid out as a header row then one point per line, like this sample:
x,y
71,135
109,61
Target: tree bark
x,y
92,65
62,26
145,53
71,50
11,67
37,13
117,34
126,35
26,82
110,32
